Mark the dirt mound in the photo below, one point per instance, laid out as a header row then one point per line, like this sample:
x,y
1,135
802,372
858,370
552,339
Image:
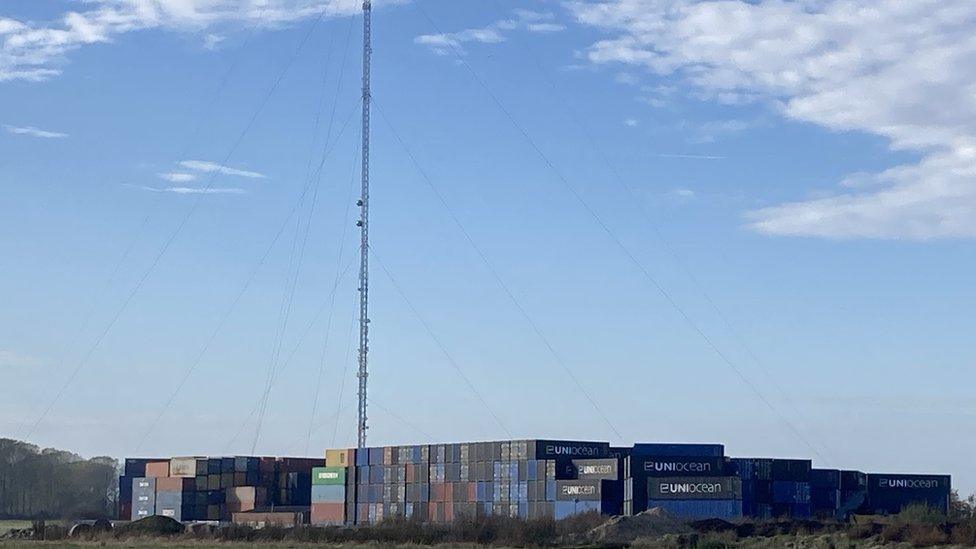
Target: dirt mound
x,y
152,526
649,524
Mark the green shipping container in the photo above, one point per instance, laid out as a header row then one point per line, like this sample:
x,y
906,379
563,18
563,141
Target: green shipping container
x,y
329,475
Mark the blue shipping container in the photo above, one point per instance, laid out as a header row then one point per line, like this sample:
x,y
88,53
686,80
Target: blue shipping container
x,y
679,450
566,509
791,492
696,509
328,493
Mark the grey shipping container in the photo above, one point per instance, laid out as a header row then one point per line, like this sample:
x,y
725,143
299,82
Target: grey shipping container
x,y
675,466
579,490
597,469
143,498
694,488
555,449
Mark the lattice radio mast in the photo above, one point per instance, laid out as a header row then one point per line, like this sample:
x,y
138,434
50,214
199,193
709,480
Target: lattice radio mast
x,y
363,224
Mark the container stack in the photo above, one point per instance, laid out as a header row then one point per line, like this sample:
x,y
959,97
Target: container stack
x,y
853,493
526,479
773,488
690,481
329,495
825,493
200,488
520,478
889,493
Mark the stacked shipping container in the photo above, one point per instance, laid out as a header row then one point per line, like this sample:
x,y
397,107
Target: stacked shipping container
x,y
199,488
688,480
774,487
518,478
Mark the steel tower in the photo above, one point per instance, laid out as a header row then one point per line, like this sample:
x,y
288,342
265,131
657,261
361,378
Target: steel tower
x,y
363,224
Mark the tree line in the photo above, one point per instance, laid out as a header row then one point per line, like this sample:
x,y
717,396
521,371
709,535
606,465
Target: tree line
x,y
45,483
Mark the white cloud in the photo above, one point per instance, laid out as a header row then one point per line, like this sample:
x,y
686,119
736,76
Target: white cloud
x,y
211,41
683,194
630,122
194,190
177,177
449,43
10,359
35,52
34,132
901,70
212,167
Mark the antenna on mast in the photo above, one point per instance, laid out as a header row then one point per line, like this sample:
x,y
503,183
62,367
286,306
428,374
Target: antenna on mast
x,y
363,224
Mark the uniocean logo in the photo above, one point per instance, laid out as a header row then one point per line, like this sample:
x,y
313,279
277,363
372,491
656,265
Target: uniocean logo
x,y
908,483
596,469
579,490
677,466
566,450
691,487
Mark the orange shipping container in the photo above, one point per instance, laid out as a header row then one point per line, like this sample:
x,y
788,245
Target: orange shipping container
x,y
174,484
328,513
157,469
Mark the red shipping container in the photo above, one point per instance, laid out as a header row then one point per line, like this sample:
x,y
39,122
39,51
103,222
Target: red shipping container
x,y
328,513
432,511
448,512
157,469
472,491
409,472
125,511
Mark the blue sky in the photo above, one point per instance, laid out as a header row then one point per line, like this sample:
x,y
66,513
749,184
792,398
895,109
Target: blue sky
x,y
796,176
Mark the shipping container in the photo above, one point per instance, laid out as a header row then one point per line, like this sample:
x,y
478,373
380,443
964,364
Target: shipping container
x,y
188,467
328,493
694,488
698,509
143,497
678,450
329,475
341,458
277,519
555,449
157,469
890,493
672,466
324,514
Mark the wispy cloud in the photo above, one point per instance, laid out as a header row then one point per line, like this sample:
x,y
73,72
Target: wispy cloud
x,y
10,359
213,167
631,122
36,51
177,177
900,70
449,43
211,41
683,194
32,131
193,190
